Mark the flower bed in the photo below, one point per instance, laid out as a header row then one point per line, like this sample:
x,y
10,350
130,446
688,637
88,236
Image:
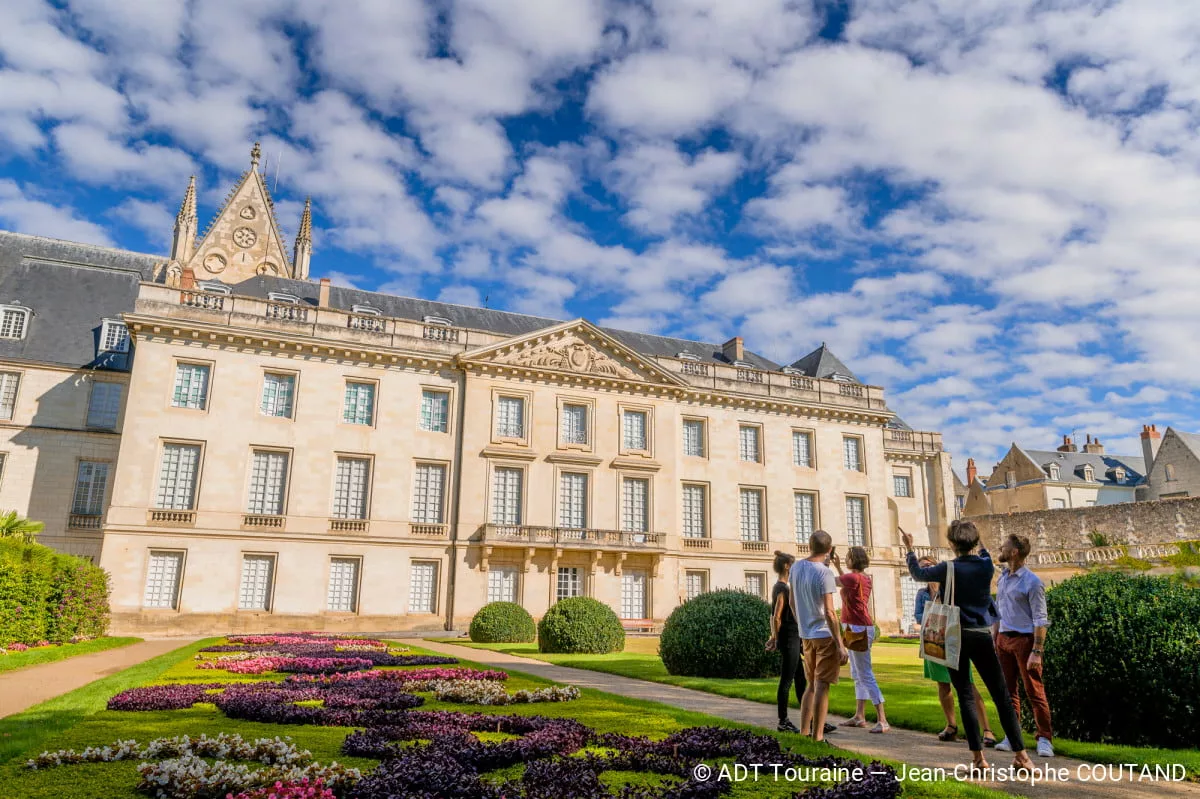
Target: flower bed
x,y
289,664
414,675
162,697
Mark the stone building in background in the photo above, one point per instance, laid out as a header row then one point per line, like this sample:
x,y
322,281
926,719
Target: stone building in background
x,y
273,453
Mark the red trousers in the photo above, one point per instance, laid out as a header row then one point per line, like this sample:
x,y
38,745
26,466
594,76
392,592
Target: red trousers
x,y
1013,651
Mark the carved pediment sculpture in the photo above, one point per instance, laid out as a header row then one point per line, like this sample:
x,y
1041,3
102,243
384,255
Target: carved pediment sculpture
x,y
569,355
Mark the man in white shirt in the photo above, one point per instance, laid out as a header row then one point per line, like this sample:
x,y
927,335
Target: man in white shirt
x,y
813,587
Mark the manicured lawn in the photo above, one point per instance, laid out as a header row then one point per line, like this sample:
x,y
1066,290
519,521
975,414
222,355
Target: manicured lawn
x,y
49,654
911,699
79,719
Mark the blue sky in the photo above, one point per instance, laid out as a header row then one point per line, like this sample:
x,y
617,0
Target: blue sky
x,y
989,207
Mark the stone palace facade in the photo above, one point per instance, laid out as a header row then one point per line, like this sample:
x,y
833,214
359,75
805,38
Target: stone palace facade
x,y
245,449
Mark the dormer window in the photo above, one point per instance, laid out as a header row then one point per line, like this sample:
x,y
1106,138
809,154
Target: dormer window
x,y
214,287
1052,470
1118,475
687,356
365,310
277,296
791,370
114,336
438,320
14,321
1089,474
841,378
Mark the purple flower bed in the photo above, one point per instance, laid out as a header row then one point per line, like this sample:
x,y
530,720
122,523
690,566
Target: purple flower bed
x,y
416,675
275,704
319,650
161,697
541,737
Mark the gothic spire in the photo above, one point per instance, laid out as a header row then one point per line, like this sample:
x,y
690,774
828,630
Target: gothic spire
x,y
255,154
186,225
303,250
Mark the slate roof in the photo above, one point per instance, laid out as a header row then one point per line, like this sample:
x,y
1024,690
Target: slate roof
x,y
71,289
822,363
1071,463
1190,440
502,322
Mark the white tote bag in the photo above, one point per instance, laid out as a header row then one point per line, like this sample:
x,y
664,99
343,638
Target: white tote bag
x,y
941,631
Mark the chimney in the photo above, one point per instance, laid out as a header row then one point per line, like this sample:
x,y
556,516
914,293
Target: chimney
x,y
1151,439
323,300
1067,446
1093,447
972,472
733,349
187,280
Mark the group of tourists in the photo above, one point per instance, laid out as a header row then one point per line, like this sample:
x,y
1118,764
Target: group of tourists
x,y
1003,638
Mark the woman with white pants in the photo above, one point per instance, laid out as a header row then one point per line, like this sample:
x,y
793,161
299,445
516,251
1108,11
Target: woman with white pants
x,y
856,620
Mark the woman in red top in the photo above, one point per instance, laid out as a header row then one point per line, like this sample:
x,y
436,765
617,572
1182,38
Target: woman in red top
x,y
856,620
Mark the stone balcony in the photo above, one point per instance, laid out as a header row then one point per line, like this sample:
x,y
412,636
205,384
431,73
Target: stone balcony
x,y
911,442
493,535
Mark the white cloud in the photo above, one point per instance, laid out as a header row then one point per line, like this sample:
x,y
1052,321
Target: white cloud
x,y
150,218
24,213
661,183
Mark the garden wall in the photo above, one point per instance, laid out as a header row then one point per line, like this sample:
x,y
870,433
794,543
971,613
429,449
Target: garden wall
x,y
1159,522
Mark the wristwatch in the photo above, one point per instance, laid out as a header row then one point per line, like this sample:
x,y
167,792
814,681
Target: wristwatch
x,y
1036,651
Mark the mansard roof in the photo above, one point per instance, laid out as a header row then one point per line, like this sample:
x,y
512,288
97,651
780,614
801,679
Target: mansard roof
x,y
1070,466
822,363
71,289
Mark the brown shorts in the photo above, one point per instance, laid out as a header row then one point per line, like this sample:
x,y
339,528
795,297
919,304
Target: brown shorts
x,y
821,660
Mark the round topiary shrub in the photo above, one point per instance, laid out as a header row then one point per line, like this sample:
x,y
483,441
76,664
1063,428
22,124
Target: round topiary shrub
x,y
580,625
503,622
719,634
1122,661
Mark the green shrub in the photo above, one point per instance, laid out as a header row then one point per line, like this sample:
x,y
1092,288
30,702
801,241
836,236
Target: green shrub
x,y
45,595
580,625
503,622
1122,662
719,634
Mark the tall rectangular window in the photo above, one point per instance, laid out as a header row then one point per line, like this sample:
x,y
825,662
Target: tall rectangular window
x,y
91,479
852,453
572,500
695,511
695,583
633,429
502,584
633,594
635,504
9,381
570,582
754,582
351,483
13,322
748,444
801,448
162,580
806,516
342,596
429,486
422,592
902,484
750,507
435,411
177,476
268,483
506,495
359,407
856,521
510,417
693,438
191,386
258,575
278,393
573,426
104,405
114,336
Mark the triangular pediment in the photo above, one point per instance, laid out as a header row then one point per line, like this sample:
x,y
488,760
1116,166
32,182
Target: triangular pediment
x,y
578,348
243,239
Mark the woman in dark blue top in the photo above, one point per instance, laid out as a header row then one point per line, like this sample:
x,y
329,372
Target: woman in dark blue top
x,y
973,597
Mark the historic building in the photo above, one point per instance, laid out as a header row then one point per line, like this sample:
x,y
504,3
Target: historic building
x,y
1031,479
243,449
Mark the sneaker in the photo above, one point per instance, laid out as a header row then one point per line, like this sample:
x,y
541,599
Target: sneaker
x,y
787,726
1004,746
1044,747
829,728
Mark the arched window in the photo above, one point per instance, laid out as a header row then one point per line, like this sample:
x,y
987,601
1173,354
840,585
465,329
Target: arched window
x,y
14,321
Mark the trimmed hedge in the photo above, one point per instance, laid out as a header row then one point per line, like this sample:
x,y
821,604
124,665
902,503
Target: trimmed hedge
x,y
580,625
503,622
719,634
1122,662
48,596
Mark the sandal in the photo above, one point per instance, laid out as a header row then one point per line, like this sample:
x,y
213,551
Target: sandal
x,y
948,735
853,722
989,740
880,728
